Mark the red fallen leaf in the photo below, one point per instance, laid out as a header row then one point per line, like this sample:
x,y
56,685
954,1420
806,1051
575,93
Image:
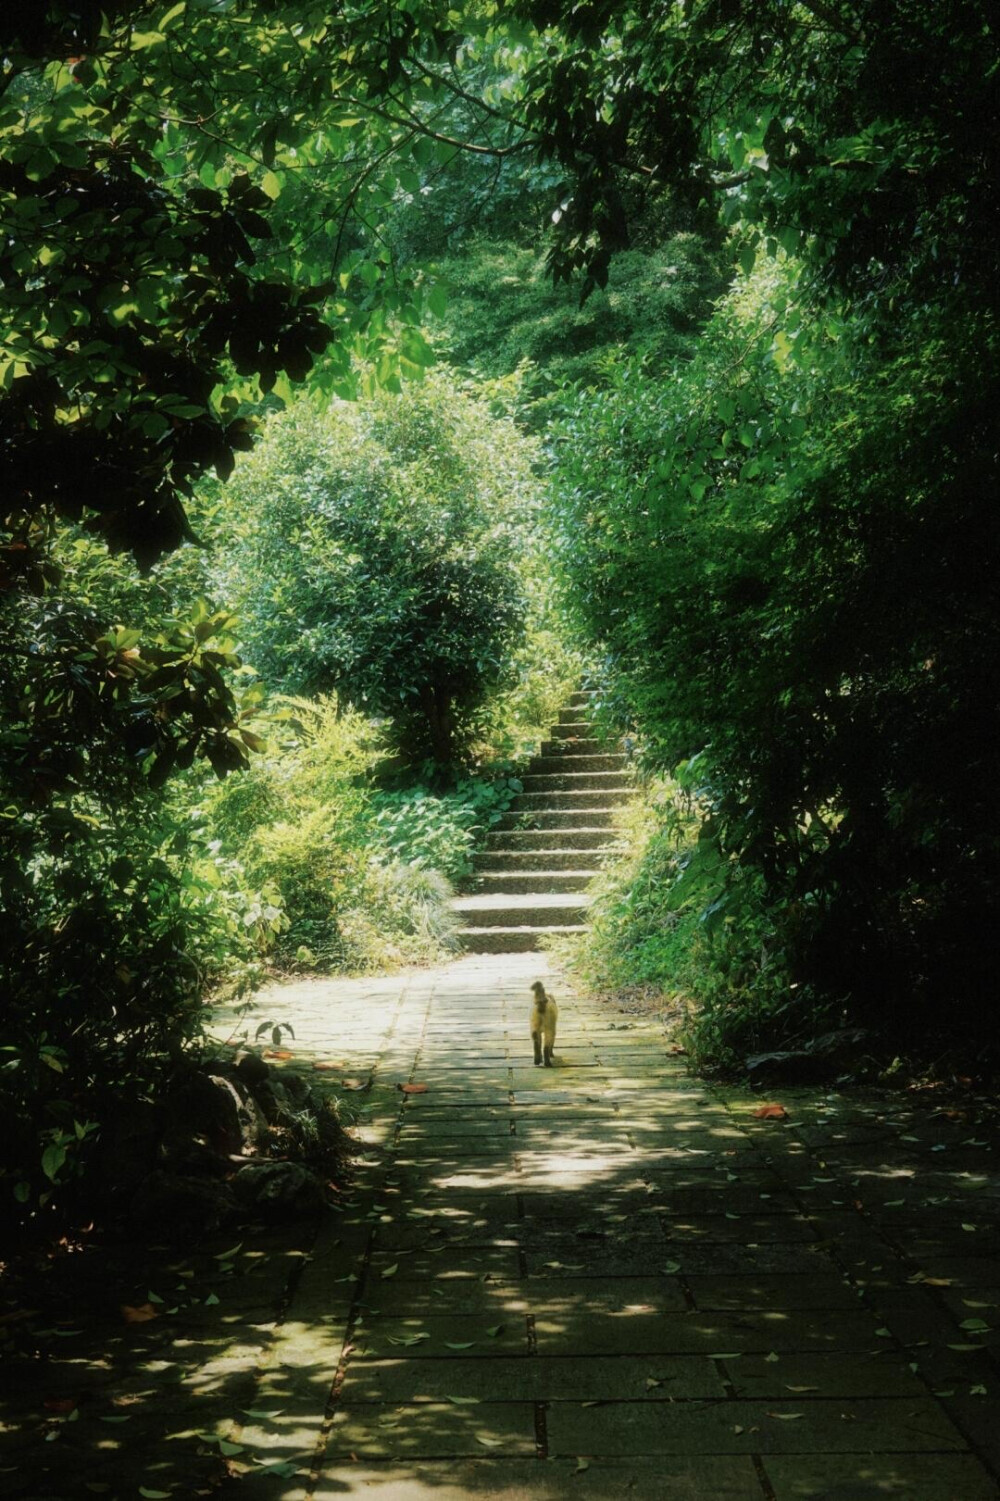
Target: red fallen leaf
x,y
140,1315
327,1067
278,1053
678,1052
771,1113
354,1083
412,1088
60,1404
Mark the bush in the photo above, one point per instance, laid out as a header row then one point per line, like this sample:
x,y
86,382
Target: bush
x,y
663,916
306,822
441,831
375,552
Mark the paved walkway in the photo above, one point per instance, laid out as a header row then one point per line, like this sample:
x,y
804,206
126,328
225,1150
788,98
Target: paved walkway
x,y
606,1279
603,1279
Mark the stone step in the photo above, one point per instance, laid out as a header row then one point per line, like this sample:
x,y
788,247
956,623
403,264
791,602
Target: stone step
x,y
573,763
566,802
558,818
511,860
521,882
580,781
582,697
570,717
541,859
567,840
576,730
512,940
532,910
584,746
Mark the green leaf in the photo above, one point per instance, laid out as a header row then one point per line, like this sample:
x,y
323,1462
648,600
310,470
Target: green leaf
x,y
53,1159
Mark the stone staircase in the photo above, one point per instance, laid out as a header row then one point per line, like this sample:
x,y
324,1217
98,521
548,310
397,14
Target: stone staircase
x,y
531,877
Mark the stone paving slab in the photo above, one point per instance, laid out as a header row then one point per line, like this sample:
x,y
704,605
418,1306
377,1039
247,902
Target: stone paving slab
x,y
595,1378
794,1426
871,1477
558,1479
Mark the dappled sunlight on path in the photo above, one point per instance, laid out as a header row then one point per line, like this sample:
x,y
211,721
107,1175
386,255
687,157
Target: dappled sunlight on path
x,y
602,1279
607,1277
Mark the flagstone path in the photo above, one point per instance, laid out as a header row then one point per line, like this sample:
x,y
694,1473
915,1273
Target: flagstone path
x,y
604,1279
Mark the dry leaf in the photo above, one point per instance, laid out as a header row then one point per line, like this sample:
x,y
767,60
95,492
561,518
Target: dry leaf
x,y
140,1315
278,1053
770,1113
786,1416
413,1088
59,1404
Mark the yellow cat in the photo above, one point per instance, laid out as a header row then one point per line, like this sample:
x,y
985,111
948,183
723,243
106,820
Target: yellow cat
x,y
544,1015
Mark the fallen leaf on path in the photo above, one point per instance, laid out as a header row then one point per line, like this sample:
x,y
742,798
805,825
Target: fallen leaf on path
x,y
390,1271
140,1315
786,1417
324,1068
800,1388
412,1088
496,1330
60,1404
465,1401
463,1345
581,1465
770,1113
487,1442
355,1084
281,1053
651,1381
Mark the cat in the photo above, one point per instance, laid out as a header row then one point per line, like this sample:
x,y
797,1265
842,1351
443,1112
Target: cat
x,y
544,1015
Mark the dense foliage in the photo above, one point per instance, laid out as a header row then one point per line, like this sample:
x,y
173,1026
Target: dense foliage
x,y
776,519
375,551
791,551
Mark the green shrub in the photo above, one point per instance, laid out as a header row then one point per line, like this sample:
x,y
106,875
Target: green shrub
x,y
359,876
441,830
375,552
